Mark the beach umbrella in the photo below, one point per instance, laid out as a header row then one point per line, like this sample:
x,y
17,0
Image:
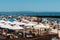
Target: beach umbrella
x,y
6,22
9,22
18,23
16,27
39,26
11,19
30,24
1,24
24,20
2,21
5,26
44,20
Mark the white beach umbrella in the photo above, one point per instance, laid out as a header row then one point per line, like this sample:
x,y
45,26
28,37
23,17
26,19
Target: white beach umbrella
x,y
2,21
16,27
9,22
30,24
39,26
18,23
1,24
5,26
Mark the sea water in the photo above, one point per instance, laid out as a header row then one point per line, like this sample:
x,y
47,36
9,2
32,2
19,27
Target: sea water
x,y
33,13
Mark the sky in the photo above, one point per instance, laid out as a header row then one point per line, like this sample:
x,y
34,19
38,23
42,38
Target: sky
x,y
30,5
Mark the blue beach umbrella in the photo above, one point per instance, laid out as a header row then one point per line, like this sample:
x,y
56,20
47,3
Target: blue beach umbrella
x,y
11,19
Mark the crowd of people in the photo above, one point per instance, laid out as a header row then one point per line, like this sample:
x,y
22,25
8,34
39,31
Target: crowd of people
x,y
31,26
